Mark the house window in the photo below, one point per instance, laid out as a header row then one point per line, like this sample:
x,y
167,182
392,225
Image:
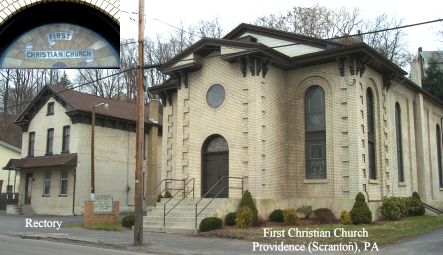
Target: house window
x,y
50,141
66,135
371,134
215,95
315,133
31,144
50,108
401,177
63,183
46,184
440,174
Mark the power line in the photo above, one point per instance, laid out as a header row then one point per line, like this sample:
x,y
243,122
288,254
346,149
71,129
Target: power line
x,y
73,87
131,41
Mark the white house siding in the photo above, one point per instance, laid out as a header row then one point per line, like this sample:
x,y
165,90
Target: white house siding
x,y
114,163
5,155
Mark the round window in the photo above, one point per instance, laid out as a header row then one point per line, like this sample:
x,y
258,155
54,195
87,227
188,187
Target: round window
x,y
215,96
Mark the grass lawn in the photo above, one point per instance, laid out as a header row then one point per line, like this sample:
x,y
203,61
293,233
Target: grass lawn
x,y
381,232
107,227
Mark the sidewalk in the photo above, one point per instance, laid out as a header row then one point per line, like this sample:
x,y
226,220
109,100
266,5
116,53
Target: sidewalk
x,y
172,244
158,243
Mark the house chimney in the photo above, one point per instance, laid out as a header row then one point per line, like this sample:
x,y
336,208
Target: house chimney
x,y
417,72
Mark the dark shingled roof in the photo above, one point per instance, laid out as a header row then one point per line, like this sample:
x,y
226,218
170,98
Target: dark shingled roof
x,y
75,101
117,108
43,162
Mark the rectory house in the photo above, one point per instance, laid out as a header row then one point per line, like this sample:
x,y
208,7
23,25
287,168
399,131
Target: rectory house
x,y
300,120
9,179
55,164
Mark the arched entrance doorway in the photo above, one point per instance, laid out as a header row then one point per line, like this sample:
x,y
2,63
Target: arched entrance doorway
x,y
215,165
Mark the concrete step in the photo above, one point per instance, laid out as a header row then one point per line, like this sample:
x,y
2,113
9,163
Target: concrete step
x,y
170,219
178,213
181,209
180,225
182,217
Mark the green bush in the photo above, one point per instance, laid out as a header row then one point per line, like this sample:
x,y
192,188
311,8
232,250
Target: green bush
x,y
230,219
403,204
360,213
416,207
290,217
244,218
247,201
159,198
391,208
167,194
305,210
345,218
276,216
210,223
325,216
128,221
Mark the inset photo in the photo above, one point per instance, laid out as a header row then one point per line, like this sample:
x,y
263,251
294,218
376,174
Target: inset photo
x,y
60,35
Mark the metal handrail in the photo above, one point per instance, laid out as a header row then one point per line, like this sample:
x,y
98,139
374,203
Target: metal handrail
x,y
164,207
159,184
184,196
216,195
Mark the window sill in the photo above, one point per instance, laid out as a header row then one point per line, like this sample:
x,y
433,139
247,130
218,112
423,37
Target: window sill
x,y
315,181
63,195
49,114
65,152
402,184
441,189
46,195
372,181
49,154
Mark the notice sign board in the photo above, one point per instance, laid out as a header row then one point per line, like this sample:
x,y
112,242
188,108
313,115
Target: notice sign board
x,y
60,45
103,204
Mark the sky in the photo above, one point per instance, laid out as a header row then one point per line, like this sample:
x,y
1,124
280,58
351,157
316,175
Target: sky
x,y
230,13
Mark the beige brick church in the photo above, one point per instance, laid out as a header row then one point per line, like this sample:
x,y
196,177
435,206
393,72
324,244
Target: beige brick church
x,y
303,121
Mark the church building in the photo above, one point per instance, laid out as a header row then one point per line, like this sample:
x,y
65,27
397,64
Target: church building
x,y
299,121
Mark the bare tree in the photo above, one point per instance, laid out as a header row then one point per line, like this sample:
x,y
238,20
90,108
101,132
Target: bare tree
x,y
391,44
320,22
97,82
17,89
161,50
315,21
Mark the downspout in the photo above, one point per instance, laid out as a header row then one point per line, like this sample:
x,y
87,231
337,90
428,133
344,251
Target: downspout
x,y
369,200
73,195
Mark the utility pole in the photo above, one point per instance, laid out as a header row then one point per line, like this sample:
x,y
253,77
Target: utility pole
x,y
138,213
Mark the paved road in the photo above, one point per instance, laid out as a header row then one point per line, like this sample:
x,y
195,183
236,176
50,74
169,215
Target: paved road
x,y
18,246
427,244
162,243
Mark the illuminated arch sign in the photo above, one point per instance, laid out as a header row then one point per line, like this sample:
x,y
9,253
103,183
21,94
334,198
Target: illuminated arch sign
x,y
60,34
60,45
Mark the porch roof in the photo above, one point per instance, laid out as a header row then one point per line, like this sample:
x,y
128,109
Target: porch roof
x,y
69,159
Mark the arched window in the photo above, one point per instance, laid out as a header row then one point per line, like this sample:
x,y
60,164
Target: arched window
x,y
401,176
438,133
315,133
371,134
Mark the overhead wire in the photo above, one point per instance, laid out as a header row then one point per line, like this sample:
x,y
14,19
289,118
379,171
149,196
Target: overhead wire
x,y
252,49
